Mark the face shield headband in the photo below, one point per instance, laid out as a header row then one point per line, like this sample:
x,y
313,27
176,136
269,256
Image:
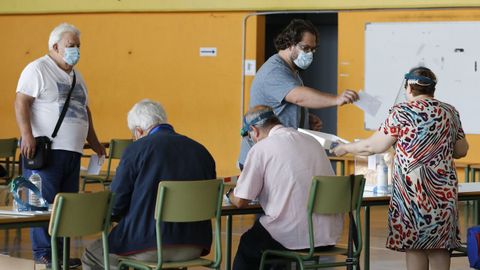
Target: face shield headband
x,y
410,78
247,126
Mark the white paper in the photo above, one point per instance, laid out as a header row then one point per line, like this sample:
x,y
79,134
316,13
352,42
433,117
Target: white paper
x,y
23,213
328,141
95,164
368,103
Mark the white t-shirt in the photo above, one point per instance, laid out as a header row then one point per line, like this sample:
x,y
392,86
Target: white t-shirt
x,y
49,85
278,171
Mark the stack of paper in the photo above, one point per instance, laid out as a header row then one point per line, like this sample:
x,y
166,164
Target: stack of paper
x,y
328,141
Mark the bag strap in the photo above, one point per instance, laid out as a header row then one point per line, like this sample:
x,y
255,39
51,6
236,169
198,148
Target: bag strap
x,y
65,106
19,182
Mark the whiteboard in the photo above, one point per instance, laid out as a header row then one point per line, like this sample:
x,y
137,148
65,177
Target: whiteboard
x,y
450,49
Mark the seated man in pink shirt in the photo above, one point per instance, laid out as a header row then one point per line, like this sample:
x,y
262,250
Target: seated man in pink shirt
x,y
278,171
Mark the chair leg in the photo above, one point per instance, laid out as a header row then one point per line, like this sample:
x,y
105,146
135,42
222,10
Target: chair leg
x,y
84,183
300,263
262,261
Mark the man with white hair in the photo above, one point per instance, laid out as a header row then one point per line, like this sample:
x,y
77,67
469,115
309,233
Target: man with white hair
x,y
42,91
158,153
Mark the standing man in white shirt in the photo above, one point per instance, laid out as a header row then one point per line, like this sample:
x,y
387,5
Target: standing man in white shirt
x,y
41,94
278,171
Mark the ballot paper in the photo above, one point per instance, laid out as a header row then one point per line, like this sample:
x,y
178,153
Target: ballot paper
x,y
328,141
368,103
95,164
5,212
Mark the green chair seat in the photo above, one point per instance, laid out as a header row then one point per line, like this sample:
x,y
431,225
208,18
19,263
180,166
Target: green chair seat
x,y
97,178
337,250
183,264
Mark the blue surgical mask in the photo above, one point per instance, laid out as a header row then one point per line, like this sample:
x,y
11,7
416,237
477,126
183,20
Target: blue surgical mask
x,y
303,59
71,55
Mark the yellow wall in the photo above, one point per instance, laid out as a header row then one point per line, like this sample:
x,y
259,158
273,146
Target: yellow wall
x,y
128,57
75,6
351,27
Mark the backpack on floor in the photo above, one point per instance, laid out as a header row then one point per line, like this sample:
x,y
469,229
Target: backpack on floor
x,y
473,246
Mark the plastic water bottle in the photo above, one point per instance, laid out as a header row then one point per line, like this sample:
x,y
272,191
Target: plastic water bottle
x,y
382,176
22,194
33,199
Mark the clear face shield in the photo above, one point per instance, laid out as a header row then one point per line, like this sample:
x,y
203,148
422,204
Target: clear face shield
x,y
402,93
249,140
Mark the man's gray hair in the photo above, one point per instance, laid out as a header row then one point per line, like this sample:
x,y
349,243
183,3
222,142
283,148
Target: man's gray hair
x,y
145,114
57,32
262,123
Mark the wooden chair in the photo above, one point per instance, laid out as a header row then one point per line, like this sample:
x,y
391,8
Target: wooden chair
x,y
116,148
185,201
80,214
329,195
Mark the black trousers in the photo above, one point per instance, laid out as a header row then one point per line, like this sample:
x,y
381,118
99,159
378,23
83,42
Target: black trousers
x,y
252,244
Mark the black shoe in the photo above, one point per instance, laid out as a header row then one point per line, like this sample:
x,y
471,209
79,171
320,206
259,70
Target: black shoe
x,y
73,263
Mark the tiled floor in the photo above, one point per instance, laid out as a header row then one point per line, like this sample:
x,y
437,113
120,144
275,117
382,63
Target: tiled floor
x,y
381,258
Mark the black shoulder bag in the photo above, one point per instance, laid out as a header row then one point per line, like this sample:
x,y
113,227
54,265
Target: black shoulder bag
x,y
43,144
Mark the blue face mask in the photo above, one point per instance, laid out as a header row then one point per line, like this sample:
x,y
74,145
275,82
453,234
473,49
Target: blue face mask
x,y
71,56
303,59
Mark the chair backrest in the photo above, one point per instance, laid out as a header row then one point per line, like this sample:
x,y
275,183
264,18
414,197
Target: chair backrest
x,y
334,194
80,214
188,201
337,195
8,148
116,148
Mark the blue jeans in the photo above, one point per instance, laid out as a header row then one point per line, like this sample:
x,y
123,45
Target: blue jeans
x,y
61,175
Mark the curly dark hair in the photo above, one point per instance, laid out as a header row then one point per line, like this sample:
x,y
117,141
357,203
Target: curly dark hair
x,y
293,33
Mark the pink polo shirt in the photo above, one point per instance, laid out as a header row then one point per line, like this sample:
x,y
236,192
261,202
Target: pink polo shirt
x,y
278,171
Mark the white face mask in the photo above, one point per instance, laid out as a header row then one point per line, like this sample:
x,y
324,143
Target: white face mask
x,y
303,59
71,55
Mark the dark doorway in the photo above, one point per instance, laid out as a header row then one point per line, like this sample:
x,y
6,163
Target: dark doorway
x,y
322,74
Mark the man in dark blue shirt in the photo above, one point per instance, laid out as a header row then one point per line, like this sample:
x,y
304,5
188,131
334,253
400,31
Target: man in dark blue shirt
x,y
158,153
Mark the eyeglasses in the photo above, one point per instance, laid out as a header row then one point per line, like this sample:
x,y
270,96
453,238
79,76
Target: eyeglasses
x,y
306,48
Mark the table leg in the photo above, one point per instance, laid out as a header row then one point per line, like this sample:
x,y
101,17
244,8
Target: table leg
x,y
342,168
366,245
476,209
467,174
228,243
66,250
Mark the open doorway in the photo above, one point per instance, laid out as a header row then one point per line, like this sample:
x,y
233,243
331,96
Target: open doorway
x,y
322,73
